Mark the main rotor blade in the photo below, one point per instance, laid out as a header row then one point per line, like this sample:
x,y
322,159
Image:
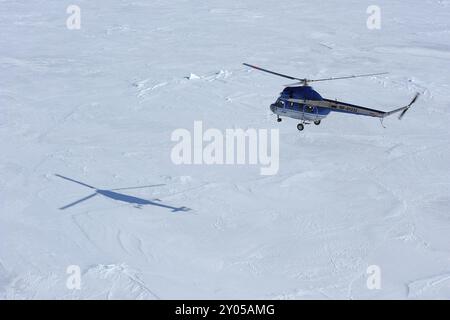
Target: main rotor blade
x,y
83,184
272,72
305,81
349,77
141,187
78,201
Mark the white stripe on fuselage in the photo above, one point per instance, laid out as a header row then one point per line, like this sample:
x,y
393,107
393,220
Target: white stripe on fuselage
x,y
300,115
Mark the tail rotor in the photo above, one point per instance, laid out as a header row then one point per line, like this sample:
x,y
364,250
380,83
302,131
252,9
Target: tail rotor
x,y
409,106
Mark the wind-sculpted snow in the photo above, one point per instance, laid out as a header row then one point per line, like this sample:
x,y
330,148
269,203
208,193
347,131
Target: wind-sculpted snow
x,y
86,118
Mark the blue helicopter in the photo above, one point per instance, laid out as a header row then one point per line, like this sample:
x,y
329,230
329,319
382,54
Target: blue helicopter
x,y
300,101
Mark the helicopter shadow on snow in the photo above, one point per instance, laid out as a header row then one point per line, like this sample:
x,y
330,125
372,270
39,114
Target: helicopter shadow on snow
x,y
121,197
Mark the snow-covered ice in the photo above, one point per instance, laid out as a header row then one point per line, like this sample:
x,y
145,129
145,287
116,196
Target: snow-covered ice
x,y
98,105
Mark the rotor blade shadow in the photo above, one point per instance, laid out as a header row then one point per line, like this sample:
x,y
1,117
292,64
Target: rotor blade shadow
x,y
112,194
78,201
137,201
72,180
140,187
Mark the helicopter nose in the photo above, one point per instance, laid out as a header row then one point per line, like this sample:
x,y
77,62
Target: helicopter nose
x,y
272,108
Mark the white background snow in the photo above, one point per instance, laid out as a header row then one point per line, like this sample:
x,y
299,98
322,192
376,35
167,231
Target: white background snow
x,y
99,105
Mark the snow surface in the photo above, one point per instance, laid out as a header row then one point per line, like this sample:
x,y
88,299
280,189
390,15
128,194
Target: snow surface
x,y
99,104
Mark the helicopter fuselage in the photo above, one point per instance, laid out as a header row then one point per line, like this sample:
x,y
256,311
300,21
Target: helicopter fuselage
x,y
282,107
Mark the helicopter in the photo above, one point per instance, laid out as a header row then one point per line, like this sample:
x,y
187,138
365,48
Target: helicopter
x,y
300,101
